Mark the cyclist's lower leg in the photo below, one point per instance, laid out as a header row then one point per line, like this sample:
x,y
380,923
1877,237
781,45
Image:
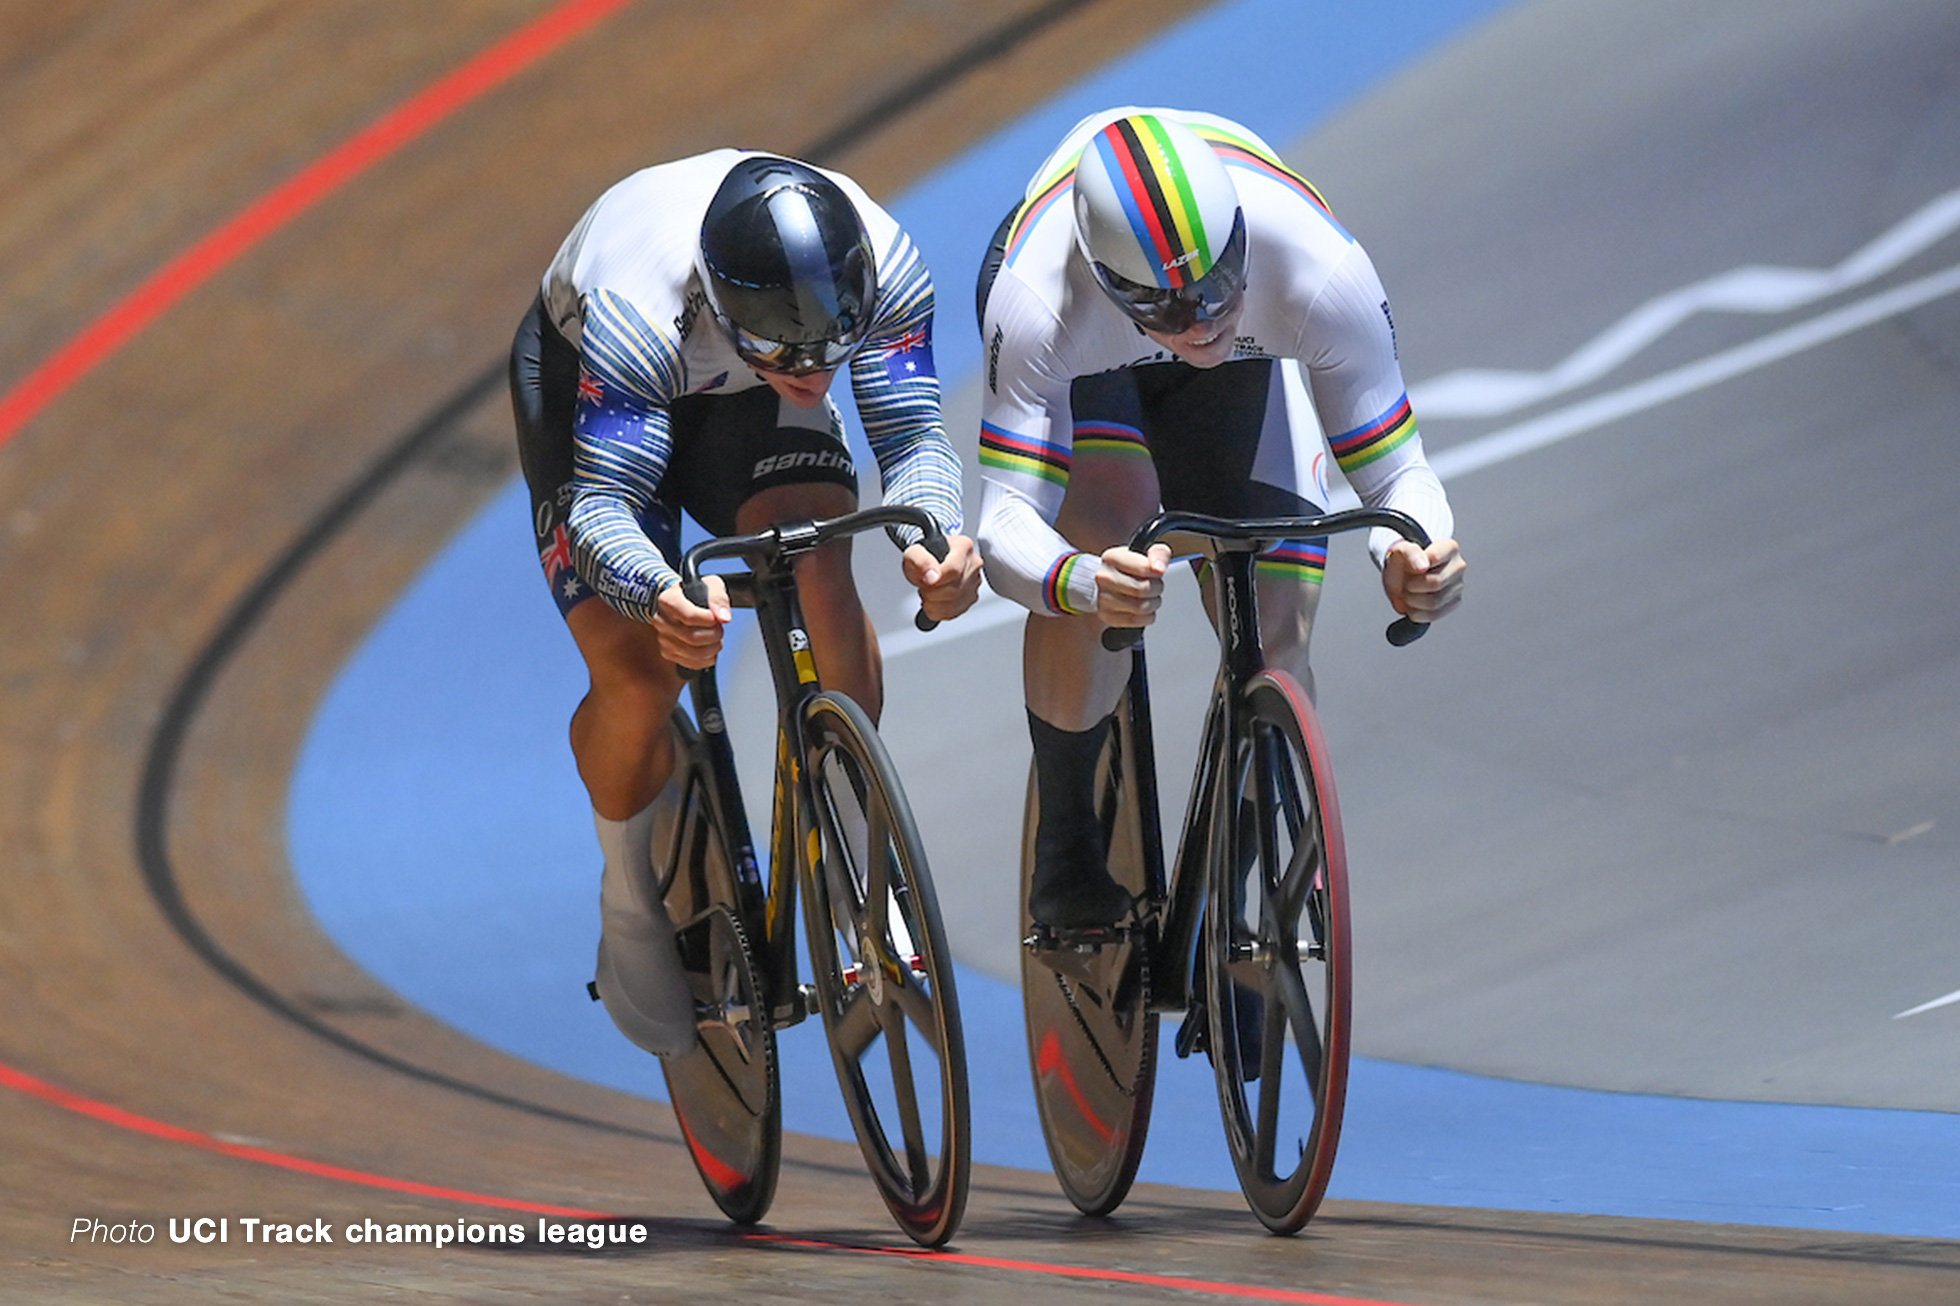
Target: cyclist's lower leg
x,y
625,751
1073,684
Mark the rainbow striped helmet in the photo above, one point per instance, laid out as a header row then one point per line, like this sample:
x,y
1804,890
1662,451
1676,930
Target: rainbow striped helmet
x,y
1159,222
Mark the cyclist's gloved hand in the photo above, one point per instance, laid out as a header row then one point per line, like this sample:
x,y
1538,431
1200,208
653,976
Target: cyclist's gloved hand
x,y
1424,584
947,587
689,635
1130,585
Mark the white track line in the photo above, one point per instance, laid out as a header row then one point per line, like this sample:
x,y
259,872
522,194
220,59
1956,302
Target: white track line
x,y
1688,378
1928,1006
1490,392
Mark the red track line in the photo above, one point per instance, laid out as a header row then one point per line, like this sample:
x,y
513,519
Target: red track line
x,y
1240,1291
22,1082
193,267
113,1115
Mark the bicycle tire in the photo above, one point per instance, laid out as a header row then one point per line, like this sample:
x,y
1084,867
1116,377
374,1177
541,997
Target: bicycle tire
x,y
1092,1035
883,972
727,1092
1279,873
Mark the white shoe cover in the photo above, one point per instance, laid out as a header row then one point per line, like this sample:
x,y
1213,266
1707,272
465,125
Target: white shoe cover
x,y
642,984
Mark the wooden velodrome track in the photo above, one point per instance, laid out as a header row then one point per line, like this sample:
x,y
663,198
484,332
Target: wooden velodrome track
x,y
197,531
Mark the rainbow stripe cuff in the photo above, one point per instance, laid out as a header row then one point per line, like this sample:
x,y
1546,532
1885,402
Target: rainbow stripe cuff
x,y
1054,586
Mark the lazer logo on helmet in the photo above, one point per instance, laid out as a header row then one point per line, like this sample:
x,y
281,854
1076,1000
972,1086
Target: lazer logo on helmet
x,y
784,462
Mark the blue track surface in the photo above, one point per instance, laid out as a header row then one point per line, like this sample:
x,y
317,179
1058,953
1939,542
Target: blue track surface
x,y
443,840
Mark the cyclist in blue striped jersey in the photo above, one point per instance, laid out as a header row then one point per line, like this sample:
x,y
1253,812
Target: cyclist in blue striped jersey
x,y
679,356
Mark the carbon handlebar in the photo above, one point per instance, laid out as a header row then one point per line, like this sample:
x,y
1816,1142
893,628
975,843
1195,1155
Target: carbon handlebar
x,y
788,539
1253,533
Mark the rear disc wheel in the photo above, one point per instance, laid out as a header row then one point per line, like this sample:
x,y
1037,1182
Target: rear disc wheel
x,y
726,1093
1092,1037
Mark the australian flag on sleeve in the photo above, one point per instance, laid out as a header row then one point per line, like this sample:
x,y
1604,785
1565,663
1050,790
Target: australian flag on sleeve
x,y
909,357
607,413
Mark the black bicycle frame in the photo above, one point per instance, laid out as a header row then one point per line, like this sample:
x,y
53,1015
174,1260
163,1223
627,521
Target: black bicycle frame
x,y
1174,935
770,588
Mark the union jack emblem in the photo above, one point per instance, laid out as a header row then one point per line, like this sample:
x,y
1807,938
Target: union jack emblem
x,y
589,387
558,557
909,357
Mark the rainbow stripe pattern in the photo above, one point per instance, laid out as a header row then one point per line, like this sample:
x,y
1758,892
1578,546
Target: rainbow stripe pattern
x,y
1157,199
1054,586
1304,560
1004,451
1238,151
1376,439
1111,438
1045,196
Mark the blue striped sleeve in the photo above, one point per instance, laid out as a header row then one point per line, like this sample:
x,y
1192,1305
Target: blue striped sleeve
x,y
897,391
629,372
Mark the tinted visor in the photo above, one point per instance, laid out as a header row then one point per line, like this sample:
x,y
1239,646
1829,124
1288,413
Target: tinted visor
x,y
792,358
1173,312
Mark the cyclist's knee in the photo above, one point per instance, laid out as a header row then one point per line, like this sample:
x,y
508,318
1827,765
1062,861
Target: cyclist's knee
x,y
1109,497
635,694
622,657
824,575
805,501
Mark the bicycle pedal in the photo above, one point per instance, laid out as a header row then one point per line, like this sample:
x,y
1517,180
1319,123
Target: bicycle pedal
x,y
1191,1036
1084,939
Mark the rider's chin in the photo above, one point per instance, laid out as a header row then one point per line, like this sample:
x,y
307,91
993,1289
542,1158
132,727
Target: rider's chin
x,y
1201,347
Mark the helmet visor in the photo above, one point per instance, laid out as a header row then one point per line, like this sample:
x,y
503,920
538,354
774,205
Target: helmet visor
x,y
1173,311
792,358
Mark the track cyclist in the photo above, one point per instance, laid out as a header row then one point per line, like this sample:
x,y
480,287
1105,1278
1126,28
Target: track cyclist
x,y
1147,312
679,355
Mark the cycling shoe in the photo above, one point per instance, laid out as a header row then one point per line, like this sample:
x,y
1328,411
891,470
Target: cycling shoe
x,y
1072,899
643,985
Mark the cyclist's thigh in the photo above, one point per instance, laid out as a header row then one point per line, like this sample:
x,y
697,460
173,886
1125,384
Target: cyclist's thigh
x,y
730,449
1240,440
751,459
1112,484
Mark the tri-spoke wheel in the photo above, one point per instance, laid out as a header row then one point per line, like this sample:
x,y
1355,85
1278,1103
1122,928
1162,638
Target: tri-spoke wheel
x,y
1092,1037
1279,985
725,1093
883,974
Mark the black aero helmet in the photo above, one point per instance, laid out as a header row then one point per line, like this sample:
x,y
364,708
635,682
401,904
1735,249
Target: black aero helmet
x,y
787,266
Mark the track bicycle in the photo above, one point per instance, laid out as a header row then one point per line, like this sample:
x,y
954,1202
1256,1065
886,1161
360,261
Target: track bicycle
x,y
842,833
1247,937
